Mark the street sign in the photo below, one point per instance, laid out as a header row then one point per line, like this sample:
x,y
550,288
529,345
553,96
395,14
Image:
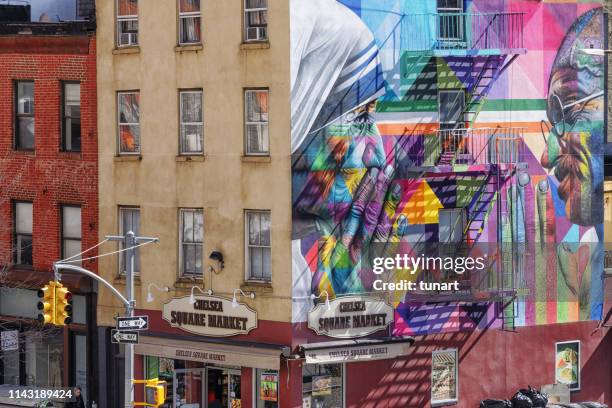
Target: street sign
x,y
133,323
124,337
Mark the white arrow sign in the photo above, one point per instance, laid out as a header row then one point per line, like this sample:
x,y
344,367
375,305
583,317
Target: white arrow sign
x,y
133,323
130,337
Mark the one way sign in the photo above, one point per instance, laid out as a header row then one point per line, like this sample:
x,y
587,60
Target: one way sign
x,y
124,337
133,323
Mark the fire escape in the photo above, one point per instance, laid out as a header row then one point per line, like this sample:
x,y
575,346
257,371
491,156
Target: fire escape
x,y
478,48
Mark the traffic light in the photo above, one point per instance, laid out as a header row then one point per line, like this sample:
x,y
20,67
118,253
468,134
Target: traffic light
x,y
155,393
46,305
63,305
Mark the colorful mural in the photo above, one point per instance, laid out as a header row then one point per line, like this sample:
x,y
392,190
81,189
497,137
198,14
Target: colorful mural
x,y
478,124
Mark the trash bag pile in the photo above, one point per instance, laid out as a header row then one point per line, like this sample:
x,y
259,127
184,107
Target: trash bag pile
x,y
531,398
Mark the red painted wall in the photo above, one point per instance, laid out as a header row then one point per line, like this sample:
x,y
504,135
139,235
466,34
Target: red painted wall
x,y
47,176
492,364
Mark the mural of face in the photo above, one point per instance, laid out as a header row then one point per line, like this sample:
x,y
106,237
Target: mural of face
x,y
576,111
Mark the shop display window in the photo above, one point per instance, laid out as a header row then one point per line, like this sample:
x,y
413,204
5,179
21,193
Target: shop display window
x,y
322,386
266,388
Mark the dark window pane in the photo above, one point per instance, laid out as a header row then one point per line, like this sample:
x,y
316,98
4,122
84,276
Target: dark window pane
x,y
25,136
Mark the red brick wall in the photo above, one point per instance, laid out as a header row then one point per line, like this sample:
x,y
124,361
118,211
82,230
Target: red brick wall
x,y
47,176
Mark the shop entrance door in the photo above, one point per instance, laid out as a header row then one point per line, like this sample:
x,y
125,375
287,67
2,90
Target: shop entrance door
x,y
223,388
188,388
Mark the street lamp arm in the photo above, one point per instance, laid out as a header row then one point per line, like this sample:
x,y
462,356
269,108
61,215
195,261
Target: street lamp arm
x,y
59,265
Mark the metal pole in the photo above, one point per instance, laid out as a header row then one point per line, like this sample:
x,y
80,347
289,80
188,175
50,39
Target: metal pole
x,y
130,241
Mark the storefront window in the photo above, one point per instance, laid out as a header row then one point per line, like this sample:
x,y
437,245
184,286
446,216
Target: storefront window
x,y
322,386
266,387
43,359
9,357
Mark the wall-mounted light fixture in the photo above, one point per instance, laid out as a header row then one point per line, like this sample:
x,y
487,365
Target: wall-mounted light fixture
x,y
150,297
192,298
327,304
235,301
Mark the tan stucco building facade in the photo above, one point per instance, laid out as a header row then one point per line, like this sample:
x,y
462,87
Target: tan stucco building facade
x,y
222,181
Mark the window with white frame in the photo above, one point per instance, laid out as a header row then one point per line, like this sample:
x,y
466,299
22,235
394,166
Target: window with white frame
x,y
128,104
191,241
259,247
71,231
23,232
444,382
129,220
24,115
71,112
255,20
192,125
189,22
256,122
127,23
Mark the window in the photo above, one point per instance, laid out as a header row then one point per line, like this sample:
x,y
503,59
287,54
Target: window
x,y
266,388
444,377
450,20
71,121
255,20
258,245
191,239
256,121
129,122
129,220
191,122
71,231
24,115
451,106
127,22
23,233
189,22
322,385
452,224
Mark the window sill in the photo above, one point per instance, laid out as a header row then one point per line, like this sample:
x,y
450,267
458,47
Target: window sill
x,y
129,49
257,287
184,282
23,151
70,154
120,279
190,158
128,158
188,47
256,159
255,45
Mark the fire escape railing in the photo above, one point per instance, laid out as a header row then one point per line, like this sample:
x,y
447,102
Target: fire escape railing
x,y
462,31
474,146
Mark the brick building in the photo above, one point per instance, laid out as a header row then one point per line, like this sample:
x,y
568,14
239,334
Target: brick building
x,y
48,193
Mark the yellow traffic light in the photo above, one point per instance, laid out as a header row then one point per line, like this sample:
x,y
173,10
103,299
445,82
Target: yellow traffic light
x,y
46,305
63,305
155,392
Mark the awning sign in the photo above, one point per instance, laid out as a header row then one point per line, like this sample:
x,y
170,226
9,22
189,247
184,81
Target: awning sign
x,y
349,354
9,340
210,316
350,316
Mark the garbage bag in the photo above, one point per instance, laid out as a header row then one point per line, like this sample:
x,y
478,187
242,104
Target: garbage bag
x,y
593,405
538,398
495,403
520,400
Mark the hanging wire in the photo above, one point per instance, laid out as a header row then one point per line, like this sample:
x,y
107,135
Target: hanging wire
x,y
109,253
83,252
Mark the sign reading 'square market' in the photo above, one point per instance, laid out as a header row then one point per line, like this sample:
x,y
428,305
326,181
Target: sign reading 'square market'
x,y
350,316
213,316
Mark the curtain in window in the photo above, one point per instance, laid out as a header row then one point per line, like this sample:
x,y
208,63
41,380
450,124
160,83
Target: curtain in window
x,y
190,30
129,118
127,7
189,6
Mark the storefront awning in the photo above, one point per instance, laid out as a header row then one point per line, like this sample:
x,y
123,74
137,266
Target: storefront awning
x,y
257,355
357,350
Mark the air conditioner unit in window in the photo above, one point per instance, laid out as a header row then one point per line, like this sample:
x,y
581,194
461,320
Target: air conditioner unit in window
x,y
192,142
25,106
256,33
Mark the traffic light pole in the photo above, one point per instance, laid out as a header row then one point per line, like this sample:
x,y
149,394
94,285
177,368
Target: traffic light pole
x,y
130,240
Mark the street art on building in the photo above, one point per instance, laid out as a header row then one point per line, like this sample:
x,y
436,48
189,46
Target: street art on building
x,y
423,121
